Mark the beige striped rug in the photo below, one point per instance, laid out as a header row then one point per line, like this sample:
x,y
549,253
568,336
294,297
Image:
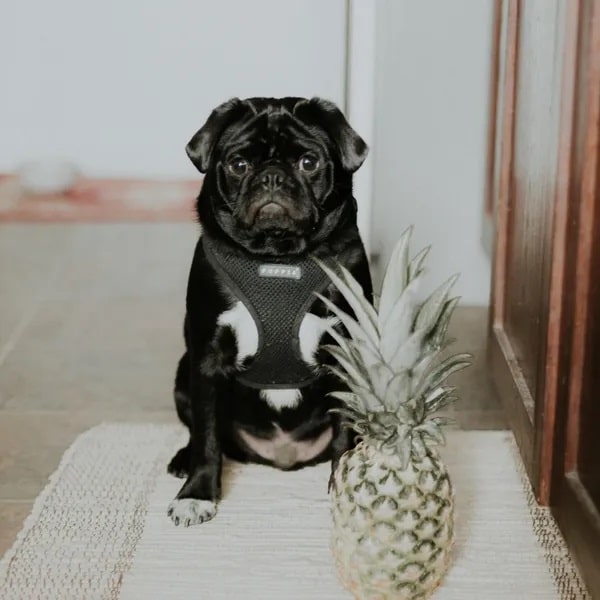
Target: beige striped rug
x,y
100,531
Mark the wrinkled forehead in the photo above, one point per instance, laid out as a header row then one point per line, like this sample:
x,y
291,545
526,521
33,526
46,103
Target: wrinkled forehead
x,y
273,132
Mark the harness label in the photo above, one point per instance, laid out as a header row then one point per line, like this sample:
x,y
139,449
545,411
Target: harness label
x,y
280,271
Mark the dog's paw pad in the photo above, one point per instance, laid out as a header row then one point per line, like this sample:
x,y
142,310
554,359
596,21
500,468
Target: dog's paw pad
x,y
189,511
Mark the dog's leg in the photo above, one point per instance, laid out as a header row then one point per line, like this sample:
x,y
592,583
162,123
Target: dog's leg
x,y
180,463
343,440
182,391
196,502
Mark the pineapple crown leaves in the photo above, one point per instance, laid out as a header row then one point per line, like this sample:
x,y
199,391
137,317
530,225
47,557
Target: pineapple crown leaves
x,y
389,357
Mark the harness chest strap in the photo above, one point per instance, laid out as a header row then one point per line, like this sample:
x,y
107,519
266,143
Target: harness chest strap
x,y
278,294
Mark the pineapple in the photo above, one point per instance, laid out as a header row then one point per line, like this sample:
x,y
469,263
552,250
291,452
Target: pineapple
x,y
391,498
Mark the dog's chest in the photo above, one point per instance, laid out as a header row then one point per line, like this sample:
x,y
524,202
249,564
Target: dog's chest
x,y
271,320
241,322
239,319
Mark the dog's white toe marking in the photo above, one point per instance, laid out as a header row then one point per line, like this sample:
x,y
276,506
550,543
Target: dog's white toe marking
x,y
189,511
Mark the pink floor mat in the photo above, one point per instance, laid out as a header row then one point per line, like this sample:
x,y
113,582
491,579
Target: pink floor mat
x,y
101,200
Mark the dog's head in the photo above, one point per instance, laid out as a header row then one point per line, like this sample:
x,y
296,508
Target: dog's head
x,y
278,171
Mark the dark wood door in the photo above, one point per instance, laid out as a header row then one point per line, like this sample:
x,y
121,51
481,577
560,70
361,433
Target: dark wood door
x,y
529,171
545,321
575,491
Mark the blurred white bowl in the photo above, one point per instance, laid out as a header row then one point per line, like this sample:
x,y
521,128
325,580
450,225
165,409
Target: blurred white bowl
x,y
47,176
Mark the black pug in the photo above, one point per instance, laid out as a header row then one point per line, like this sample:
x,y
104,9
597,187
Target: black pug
x,y
251,384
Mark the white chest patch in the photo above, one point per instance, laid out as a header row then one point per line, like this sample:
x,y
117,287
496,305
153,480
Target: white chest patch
x,y
244,328
312,329
246,334
281,398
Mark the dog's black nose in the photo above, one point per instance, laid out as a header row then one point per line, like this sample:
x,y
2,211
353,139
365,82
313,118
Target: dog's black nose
x,y
272,179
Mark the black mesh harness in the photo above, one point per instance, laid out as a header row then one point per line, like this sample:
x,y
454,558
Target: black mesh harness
x,y
277,293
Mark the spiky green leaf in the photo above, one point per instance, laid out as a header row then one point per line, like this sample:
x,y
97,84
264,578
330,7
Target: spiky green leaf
x,y
431,309
343,342
381,374
415,264
363,403
397,326
359,354
442,403
353,293
440,372
404,449
350,399
348,415
438,398
446,368
359,387
439,332
397,393
426,360
351,355
420,409
419,447
370,401
442,422
431,432
348,365
396,276
408,353
356,332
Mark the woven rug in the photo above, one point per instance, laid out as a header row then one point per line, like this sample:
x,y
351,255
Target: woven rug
x,y
100,530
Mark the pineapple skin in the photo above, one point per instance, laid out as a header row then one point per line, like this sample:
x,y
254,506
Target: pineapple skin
x,y
393,528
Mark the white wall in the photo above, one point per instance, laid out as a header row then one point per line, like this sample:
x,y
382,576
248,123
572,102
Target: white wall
x,y
431,119
121,85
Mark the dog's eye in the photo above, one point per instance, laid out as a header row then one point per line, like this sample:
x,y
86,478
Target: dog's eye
x,y
239,166
308,163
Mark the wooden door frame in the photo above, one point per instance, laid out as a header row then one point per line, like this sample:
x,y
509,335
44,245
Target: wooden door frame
x,y
534,425
511,384
496,75
575,512
359,101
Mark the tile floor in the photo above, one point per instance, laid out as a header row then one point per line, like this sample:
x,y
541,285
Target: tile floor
x,y
90,331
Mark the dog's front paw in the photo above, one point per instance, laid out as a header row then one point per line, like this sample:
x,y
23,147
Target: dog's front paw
x,y
189,511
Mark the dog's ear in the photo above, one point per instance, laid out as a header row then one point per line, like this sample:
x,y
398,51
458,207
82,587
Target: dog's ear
x,y
200,147
352,149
